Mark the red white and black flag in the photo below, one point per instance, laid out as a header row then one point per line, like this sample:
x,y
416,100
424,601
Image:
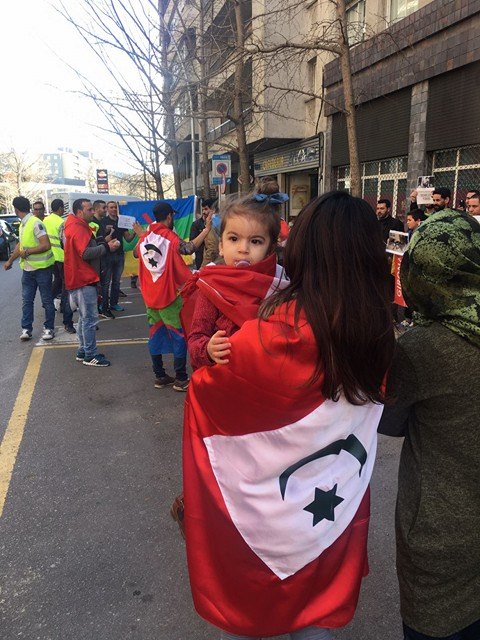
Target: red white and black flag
x,y
276,487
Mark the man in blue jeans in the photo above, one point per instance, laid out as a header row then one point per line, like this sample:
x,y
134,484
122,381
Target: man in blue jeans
x,y
36,261
82,268
113,263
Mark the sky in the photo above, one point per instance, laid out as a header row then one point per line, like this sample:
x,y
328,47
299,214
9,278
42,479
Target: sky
x,y
40,107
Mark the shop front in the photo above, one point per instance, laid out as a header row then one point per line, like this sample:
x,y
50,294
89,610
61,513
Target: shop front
x,y
297,168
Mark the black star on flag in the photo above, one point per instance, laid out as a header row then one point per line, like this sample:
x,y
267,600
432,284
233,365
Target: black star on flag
x,y
153,262
323,506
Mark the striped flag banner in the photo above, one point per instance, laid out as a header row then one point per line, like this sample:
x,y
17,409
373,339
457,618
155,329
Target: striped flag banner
x,y
142,211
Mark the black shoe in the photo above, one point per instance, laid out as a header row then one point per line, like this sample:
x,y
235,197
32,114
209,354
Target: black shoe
x,y
107,314
133,284
70,328
122,294
181,385
165,381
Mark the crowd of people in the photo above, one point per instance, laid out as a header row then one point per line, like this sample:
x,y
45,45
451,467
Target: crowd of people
x,y
296,366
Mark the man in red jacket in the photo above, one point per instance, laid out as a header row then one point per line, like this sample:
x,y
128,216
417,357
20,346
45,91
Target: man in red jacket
x,y
82,269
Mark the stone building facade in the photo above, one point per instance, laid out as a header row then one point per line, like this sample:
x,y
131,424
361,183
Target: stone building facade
x,y
418,105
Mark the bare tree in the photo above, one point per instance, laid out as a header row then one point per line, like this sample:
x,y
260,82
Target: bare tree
x,y
130,43
21,174
327,36
242,44
215,76
141,185
238,113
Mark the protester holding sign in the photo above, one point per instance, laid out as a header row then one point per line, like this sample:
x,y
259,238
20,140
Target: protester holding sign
x,y
112,264
279,444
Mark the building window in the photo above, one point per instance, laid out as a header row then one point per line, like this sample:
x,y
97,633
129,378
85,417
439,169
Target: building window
x,y
312,75
457,169
356,22
401,8
381,179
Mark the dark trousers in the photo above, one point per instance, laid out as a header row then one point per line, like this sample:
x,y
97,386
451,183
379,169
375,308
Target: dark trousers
x,y
111,273
179,364
58,287
471,632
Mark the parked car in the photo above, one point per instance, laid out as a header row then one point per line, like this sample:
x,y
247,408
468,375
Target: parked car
x,y
8,239
12,220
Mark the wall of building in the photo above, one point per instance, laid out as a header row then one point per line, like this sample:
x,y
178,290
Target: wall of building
x,y
416,86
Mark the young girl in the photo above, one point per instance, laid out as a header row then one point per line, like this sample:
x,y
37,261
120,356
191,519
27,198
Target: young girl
x,y
229,294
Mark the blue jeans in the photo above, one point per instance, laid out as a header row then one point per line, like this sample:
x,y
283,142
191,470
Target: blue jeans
x,y
31,280
85,300
112,269
309,633
471,632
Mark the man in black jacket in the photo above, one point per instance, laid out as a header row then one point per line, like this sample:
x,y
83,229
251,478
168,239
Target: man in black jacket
x,y
387,221
208,206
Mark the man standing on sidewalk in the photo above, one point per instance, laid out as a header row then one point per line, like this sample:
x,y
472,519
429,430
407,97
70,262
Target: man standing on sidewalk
x,y
54,226
99,212
36,260
82,269
198,226
112,264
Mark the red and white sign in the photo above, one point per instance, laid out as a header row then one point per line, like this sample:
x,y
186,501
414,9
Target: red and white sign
x,y
398,298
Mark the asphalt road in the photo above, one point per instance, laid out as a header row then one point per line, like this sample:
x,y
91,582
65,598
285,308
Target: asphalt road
x,y
87,547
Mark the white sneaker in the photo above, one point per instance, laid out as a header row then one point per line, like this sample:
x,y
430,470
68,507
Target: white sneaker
x,y
26,335
48,334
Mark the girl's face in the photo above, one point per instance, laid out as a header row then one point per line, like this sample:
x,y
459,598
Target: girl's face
x,y
245,241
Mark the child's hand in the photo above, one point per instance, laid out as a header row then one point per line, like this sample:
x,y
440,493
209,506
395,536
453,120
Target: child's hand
x,y
218,347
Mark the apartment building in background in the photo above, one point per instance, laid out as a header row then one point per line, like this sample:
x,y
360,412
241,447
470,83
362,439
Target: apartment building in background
x,y
274,107
415,67
70,167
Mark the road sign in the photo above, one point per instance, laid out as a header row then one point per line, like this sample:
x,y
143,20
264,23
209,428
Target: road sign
x,y
221,169
102,181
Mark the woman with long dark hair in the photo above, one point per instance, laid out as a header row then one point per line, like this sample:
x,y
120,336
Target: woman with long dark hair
x,y
279,444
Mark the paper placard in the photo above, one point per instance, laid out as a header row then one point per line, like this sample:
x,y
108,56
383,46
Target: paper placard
x,y
424,196
425,182
126,222
397,242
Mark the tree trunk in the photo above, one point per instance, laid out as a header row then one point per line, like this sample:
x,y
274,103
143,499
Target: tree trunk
x,y
159,185
202,123
244,181
167,99
350,116
155,156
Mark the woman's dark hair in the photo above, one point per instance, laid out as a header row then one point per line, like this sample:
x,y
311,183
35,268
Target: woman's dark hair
x,y
266,212
339,278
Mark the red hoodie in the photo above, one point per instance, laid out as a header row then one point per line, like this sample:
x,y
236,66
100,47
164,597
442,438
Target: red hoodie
x,y
78,272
